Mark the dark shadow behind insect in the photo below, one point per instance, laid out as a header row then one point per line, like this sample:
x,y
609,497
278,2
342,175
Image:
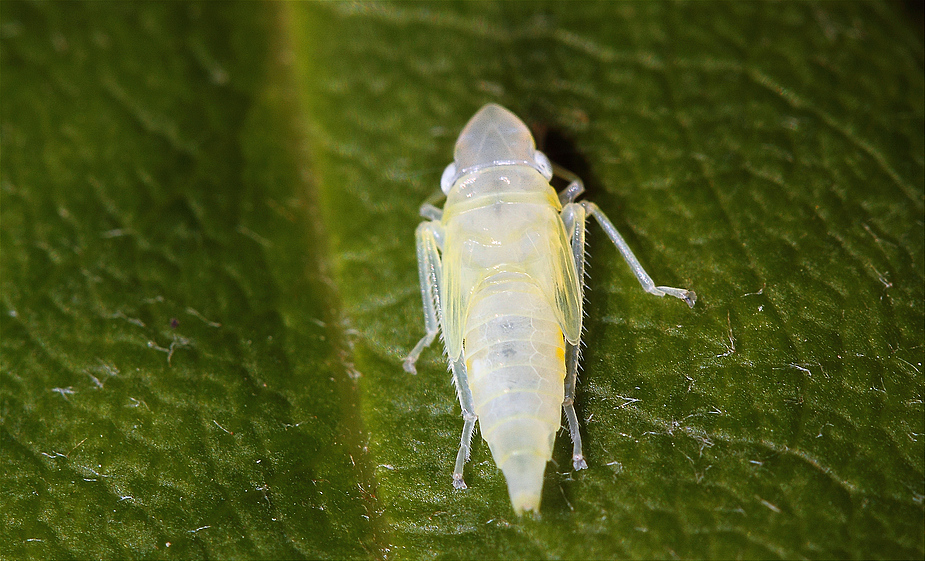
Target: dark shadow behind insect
x,y
561,149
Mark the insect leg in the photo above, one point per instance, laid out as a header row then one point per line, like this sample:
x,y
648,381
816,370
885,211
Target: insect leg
x,y
575,186
461,378
644,279
429,209
574,217
430,270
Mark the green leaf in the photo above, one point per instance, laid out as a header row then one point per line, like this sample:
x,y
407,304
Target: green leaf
x,y
173,372
209,281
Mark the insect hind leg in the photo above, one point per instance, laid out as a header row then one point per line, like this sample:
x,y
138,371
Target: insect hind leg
x,y
568,404
574,217
461,378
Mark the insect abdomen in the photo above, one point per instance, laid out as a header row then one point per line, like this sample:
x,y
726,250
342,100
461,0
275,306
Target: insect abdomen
x,y
516,367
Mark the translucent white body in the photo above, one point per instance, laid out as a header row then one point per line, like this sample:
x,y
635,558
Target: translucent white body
x,y
505,257
500,269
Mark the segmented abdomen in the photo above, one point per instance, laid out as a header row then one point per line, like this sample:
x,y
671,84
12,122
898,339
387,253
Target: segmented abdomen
x,y
515,358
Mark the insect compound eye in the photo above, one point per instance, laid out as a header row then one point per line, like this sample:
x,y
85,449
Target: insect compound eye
x,y
446,180
543,164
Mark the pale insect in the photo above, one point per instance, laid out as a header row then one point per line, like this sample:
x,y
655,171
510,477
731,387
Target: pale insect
x,y
501,270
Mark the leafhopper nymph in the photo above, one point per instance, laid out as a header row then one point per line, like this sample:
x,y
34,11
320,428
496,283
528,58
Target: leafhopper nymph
x,y
501,269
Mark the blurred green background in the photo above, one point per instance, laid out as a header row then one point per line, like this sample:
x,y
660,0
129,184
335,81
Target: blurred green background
x,y
208,278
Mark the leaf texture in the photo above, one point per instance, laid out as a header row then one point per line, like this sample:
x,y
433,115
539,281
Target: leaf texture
x,y
209,282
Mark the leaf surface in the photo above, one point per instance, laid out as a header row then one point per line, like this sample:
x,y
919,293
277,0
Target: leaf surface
x,y
209,280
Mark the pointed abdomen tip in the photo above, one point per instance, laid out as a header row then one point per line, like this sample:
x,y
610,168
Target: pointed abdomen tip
x,y
524,475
